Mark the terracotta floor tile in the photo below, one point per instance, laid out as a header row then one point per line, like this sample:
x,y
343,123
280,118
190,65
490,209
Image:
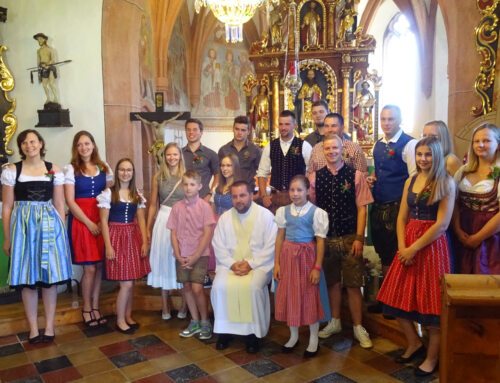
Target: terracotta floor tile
x,y
13,360
358,353
284,376
384,346
321,365
69,337
76,346
157,350
233,375
82,357
169,362
116,348
37,346
140,370
61,376
184,344
383,364
366,374
114,376
9,339
199,354
158,378
44,353
288,360
18,372
242,357
214,365
95,367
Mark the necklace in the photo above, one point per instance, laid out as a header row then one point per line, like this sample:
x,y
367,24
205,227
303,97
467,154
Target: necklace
x,y
299,210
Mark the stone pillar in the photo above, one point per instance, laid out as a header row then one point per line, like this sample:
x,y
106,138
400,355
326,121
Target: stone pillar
x,y
346,104
275,78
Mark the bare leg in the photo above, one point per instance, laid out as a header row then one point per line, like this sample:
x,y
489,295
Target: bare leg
x,y
49,297
355,300
88,278
191,301
432,351
96,294
201,300
130,303
414,341
165,307
30,302
121,304
335,294
183,308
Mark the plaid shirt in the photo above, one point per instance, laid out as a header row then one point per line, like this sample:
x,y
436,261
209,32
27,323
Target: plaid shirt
x,y
353,156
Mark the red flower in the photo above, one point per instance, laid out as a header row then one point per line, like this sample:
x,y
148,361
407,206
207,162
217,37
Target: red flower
x,y
50,174
390,152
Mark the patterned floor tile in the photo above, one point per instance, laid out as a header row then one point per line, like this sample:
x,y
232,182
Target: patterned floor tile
x,y
9,339
156,350
270,348
140,370
288,360
19,372
32,379
116,348
128,358
242,357
53,364
214,365
11,349
95,367
262,367
159,378
337,343
62,376
144,341
186,374
407,375
333,378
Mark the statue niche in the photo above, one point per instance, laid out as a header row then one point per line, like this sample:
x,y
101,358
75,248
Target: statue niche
x,y
312,25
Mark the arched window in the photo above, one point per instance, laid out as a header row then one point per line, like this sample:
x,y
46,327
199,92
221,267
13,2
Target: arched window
x,y
400,68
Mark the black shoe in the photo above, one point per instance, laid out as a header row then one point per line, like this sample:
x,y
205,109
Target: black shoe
x,y
48,338
421,373
418,352
310,354
375,308
388,317
35,340
134,326
128,331
223,341
289,350
252,344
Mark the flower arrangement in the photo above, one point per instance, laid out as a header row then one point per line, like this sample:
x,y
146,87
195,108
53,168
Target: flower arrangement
x,y
50,174
425,194
390,153
295,150
246,155
345,187
197,160
494,173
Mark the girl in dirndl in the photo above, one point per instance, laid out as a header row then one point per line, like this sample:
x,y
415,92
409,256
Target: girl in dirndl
x,y
84,179
297,265
124,231
166,190
34,234
412,287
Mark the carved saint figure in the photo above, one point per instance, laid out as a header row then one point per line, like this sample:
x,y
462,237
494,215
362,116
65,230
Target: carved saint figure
x,y
312,24
363,107
260,111
47,72
276,34
346,20
308,93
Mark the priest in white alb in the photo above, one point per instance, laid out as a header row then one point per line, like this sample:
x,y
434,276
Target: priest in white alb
x,y
244,250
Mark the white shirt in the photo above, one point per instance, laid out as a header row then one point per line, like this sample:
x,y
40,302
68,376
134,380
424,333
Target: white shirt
x,y
264,169
408,153
9,177
320,219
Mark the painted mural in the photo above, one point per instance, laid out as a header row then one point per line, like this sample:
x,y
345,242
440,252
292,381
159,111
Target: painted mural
x,y
223,70
176,95
146,70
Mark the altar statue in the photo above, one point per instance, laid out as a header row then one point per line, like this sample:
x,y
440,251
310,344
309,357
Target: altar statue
x,y
312,24
308,93
259,110
347,15
363,110
47,72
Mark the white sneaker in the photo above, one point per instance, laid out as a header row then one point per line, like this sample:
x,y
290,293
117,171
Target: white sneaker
x,y
182,315
166,316
362,336
334,326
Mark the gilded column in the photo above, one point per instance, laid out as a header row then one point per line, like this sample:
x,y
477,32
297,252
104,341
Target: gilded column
x,y
346,107
331,25
276,105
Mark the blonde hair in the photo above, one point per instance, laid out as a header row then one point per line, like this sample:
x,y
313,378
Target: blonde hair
x,y
165,172
472,159
443,135
438,178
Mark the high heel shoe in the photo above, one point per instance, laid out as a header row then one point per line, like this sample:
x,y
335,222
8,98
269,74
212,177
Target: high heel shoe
x,y
92,322
99,318
418,352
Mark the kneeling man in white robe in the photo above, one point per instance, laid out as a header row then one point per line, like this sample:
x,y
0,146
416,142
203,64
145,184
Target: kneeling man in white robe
x,y
244,250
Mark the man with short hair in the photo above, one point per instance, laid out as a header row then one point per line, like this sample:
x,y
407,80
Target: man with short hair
x,y
354,155
394,156
319,112
283,158
243,241
200,158
247,152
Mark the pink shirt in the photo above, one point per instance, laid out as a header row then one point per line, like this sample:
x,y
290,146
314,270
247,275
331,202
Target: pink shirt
x,y
188,219
363,194
354,157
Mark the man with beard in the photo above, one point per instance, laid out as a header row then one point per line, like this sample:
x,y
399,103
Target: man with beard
x,y
319,112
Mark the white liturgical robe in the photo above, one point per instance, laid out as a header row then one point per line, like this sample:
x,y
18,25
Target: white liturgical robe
x,y
262,241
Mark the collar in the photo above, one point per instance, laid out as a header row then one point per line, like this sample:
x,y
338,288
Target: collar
x,y
187,149
335,171
242,216
193,202
394,139
243,147
286,142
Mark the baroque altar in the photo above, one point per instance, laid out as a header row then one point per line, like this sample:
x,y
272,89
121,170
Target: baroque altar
x,y
312,50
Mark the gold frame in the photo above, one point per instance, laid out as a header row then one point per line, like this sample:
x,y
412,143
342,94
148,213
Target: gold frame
x,y
7,84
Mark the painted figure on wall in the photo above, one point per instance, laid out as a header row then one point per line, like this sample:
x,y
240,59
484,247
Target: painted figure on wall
x,y
231,82
47,72
176,92
211,82
146,61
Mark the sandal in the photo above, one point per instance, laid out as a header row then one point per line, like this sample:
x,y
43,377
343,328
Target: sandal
x,y
92,322
99,318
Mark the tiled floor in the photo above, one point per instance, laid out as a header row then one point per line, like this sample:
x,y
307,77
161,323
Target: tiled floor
x,y
156,353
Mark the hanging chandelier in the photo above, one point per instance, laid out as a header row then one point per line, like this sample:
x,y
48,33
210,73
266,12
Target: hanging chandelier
x,y
233,13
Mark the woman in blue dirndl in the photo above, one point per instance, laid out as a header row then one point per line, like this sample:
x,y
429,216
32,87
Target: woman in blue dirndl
x,y
34,231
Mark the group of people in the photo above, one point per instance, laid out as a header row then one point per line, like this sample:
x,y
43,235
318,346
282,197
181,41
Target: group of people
x,y
304,228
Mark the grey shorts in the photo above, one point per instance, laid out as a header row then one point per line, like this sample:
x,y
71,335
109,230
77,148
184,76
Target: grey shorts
x,y
340,266
194,275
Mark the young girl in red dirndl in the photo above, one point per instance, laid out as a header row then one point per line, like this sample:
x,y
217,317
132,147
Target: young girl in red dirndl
x,y
412,288
125,238
297,265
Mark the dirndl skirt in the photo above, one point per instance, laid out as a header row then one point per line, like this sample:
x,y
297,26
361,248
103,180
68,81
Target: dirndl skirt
x,y
128,263
161,254
298,301
40,253
414,292
85,247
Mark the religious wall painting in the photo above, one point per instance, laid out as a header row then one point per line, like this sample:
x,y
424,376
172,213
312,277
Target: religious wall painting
x,y
223,71
176,95
312,24
146,59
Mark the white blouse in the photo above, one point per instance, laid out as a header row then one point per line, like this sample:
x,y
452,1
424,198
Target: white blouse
x,y
320,219
9,177
104,200
480,187
69,174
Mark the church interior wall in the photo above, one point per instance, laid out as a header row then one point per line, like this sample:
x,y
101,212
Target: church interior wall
x,y
74,31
